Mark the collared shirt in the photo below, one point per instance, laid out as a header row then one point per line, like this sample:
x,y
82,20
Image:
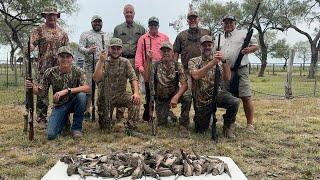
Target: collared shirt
x,y
119,71
202,89
166,80
187,44
60,81
129,34
88,39
48,40
231,46
153,43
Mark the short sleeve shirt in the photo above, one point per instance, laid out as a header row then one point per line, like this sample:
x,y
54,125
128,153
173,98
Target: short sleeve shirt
x,y
187,44
231,46
166,80
48,40
129,34
202,89
59,81
119,71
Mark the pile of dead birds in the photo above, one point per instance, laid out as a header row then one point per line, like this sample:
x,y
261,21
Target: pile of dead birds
x,y
157,164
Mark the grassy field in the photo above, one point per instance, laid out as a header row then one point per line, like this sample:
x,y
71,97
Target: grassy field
x,y
285,145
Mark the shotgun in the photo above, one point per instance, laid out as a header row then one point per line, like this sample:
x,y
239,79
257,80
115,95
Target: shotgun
x,y
29,96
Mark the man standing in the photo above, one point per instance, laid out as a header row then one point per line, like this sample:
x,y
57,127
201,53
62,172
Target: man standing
x,y
129,32
90,45
48,37
69,85
202,71
118,70
148,49
187,44
167,76
231,46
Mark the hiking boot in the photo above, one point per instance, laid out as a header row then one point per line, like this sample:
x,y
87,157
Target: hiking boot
x,y
76,134
250,128
229,131
87,116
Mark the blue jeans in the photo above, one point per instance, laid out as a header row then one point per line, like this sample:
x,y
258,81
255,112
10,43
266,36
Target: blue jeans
x,y
60,115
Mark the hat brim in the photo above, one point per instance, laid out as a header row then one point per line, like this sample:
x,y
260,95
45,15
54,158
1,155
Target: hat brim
x,y
206,41
43,14
115,45
194,15
165,47
228,19
65,53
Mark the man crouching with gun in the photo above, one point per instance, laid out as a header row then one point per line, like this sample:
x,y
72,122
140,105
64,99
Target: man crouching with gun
x,y
69,85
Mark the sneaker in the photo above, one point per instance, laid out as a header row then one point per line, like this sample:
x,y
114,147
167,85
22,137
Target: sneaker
x,y
76,134
250,128
87,116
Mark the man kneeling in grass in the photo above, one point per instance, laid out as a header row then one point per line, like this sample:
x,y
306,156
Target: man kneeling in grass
x,y
69,85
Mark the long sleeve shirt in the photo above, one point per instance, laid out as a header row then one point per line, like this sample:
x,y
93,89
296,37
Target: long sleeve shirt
x,y
153,43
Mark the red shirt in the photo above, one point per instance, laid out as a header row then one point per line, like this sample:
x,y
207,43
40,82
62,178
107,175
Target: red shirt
x,y
155,48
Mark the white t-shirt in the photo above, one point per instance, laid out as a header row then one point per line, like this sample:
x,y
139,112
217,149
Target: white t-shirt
x,y
231,46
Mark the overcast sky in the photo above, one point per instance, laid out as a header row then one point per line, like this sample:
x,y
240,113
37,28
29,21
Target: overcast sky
x,y
111,12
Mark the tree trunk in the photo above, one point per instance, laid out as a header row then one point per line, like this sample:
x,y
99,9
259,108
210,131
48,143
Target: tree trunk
x,y
314,59
264,55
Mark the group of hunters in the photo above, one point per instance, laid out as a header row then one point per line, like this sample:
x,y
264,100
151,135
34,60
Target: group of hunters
x,y
136,55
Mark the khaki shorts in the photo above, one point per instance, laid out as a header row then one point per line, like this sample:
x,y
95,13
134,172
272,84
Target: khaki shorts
x,y
89,79
244,82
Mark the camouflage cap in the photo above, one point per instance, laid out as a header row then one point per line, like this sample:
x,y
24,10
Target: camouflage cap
x,y
115,42
166,44
206,38
50,10
232,18
95,17
65,49
153,19
192,13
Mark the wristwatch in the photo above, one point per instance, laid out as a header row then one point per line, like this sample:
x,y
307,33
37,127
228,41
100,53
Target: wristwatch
x,y
69,91
224,61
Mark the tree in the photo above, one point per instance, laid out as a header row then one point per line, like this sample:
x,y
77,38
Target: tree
x,y
296,12
303,51
281,50
269,38
18,17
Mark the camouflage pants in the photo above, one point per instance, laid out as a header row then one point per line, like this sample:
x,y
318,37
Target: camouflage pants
x,y
204,113
42,104
120,111
230,103
124,101
163,107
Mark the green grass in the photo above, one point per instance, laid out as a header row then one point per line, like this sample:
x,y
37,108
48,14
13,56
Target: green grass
x,y
285,146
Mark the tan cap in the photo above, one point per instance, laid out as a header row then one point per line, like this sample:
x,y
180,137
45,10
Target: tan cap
x,y
192,13
50,10
166,44
95,17
115,42
206,38
65,49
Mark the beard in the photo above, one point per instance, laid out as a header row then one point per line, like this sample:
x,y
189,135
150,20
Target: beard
x,y
207,53
97,28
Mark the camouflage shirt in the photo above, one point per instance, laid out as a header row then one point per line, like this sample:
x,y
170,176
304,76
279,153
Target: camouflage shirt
x,y
59,81
166,80
48,40
187,44
88,39
202,89
119,71
129,34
